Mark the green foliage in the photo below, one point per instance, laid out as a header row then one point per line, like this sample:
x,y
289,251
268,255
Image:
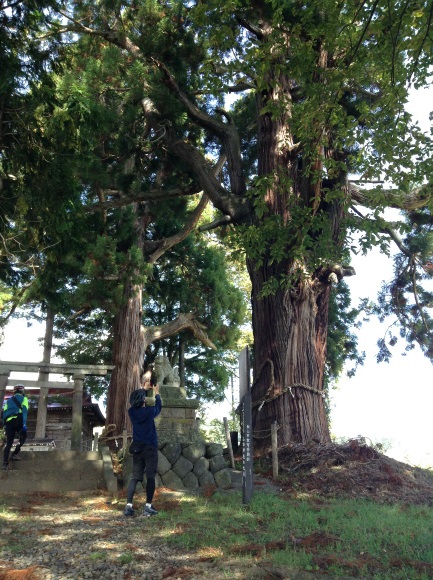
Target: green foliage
x,y
408,298
92,122
214,429
330,80
196,276
342,342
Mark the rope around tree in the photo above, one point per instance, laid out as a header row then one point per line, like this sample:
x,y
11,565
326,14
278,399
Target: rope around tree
x,y
267,399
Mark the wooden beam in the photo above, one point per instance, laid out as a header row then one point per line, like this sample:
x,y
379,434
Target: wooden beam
x,y
59,368
64,385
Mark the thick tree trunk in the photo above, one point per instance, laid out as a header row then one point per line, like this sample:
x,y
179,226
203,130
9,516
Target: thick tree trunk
x,y
127,347
290,325
290,329
127,344
131,340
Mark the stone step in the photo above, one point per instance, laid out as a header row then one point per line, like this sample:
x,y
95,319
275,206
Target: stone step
x,y
57,456
92,473
65,467
14,481
54,471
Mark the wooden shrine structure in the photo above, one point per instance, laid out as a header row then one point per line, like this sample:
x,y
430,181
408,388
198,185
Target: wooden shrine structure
x,y
76,371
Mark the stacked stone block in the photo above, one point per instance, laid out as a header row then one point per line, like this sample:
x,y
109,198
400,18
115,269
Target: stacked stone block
x,y
188,466
192,465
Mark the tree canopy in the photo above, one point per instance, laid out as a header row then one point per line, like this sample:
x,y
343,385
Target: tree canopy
x,y
78,259
321,89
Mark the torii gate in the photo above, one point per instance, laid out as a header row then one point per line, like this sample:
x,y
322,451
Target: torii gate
x,y
78,373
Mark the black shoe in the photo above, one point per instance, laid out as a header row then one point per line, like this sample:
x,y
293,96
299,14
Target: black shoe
x,y
149,511
5,466
15,457
128,511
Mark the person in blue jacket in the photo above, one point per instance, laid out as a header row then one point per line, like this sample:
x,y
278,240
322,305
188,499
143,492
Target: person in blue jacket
x,y
145,442
15,412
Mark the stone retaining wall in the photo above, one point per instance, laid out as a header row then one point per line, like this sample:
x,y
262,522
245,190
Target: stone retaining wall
x,y
188,466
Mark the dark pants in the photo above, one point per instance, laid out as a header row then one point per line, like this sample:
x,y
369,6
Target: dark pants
x,y
11,427
145,460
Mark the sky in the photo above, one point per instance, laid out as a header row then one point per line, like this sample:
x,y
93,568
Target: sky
x,y
388,403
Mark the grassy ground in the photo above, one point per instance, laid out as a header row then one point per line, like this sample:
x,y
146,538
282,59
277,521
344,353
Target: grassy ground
x,y
218,537
356,537
334,512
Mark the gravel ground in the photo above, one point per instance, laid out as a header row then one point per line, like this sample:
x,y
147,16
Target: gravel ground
x,y
84,535
76,537
80,536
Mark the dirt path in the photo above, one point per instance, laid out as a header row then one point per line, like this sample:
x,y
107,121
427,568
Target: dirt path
x,y
79,536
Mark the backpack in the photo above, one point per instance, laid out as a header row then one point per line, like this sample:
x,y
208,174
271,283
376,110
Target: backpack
x,y
5,414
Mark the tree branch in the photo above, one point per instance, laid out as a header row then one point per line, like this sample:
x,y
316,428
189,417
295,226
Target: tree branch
x,y
387,229
233,203
418,305
111,35
222,221
171,241
151,195
203,119
227,132
335,273
426,35
418,197
16,302
181,323
162,246
256,30
237,88
235,206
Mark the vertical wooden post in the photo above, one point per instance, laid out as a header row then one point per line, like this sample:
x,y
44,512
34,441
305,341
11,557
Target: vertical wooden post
x,y
124,439
229,442
4,378
274,449
95,442
41,417
247,450
247,427
182,362
77,413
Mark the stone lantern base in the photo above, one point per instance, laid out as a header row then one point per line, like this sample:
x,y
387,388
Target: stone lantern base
x,y
177,422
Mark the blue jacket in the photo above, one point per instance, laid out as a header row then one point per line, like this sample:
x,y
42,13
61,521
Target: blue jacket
x,y
143,423
11,409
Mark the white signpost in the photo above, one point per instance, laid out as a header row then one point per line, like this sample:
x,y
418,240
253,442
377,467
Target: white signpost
x,y
247,426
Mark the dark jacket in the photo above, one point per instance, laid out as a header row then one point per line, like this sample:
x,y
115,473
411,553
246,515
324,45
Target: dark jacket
x,y
143,423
